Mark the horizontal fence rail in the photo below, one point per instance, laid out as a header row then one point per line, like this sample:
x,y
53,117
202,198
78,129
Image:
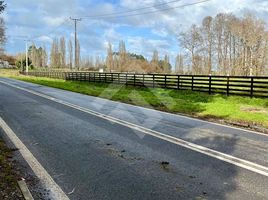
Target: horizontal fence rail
x,y
252,86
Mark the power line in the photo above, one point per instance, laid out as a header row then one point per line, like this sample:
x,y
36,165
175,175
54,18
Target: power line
x,y
121,14
53,30
149,12
133,10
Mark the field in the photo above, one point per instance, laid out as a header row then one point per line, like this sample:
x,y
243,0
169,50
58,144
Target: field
x,y
242,111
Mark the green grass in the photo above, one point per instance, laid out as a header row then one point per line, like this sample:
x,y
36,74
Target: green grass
x,y
233,108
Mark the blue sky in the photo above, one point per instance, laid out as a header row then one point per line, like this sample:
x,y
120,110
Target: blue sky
x,y
42,20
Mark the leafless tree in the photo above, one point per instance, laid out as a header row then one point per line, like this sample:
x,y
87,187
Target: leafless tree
x,y
70,49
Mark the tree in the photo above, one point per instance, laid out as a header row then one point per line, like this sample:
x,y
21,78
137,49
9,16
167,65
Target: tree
x,y
38,56
207,30
2,6
44,57
192,42
237,46
21,63
70,49
166,65
55,54
62,52
109,58
155,61
122,56
179,64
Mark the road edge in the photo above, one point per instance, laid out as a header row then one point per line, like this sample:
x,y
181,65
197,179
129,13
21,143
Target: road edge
x,y
38,169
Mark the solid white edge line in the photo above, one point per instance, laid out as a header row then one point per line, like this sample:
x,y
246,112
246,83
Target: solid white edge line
x,y
38,169
150,109
263,170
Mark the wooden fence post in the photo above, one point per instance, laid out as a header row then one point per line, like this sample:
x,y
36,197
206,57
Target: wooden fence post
x,y
228,85
165,81
209,84
192,82
251,87
178,86
153,81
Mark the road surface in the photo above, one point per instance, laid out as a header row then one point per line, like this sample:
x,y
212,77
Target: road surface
x,y
100,149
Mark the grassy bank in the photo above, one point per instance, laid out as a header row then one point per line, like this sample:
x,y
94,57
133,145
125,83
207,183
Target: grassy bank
x,y
233,109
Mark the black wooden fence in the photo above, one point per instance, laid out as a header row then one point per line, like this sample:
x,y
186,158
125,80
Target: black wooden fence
x,y
253,86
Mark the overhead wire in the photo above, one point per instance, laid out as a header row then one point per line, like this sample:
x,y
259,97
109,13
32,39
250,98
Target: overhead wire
x,y
125,14
149,12
134,10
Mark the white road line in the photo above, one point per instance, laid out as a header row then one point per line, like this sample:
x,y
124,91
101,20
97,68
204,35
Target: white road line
x,y
165,113
38,169
263,170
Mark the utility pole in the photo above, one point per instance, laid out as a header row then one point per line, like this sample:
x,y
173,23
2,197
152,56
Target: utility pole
x,y
26,57
75,42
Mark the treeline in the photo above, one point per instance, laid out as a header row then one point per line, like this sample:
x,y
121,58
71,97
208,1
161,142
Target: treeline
x,y
225,45
122,61
62,57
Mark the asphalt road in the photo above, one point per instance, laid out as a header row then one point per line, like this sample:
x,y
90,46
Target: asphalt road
x,y
102,159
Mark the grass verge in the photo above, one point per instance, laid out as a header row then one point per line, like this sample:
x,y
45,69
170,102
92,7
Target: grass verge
x,y
245,111
8,177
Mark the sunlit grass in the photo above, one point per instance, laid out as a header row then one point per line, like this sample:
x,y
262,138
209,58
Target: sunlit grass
x,y
234,108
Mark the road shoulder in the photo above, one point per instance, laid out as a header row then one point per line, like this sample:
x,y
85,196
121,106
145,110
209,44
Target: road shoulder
x,y
14,168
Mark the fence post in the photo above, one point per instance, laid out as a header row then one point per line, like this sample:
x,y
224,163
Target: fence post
x,y
228,85
209,84
143,80
134,79
178,82
251,87
153,81
126,79
165,81
192,82
118,77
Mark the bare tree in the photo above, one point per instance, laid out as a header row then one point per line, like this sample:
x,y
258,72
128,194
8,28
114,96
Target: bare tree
x,y
109,58
55,54
122,56
237,46
179,69
62,52
70,49
208,41
192,42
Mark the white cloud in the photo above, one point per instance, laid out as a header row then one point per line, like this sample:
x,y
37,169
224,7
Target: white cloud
x,y
45,39
41,18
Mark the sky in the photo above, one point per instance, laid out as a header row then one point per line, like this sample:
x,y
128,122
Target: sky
x,y
43,20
